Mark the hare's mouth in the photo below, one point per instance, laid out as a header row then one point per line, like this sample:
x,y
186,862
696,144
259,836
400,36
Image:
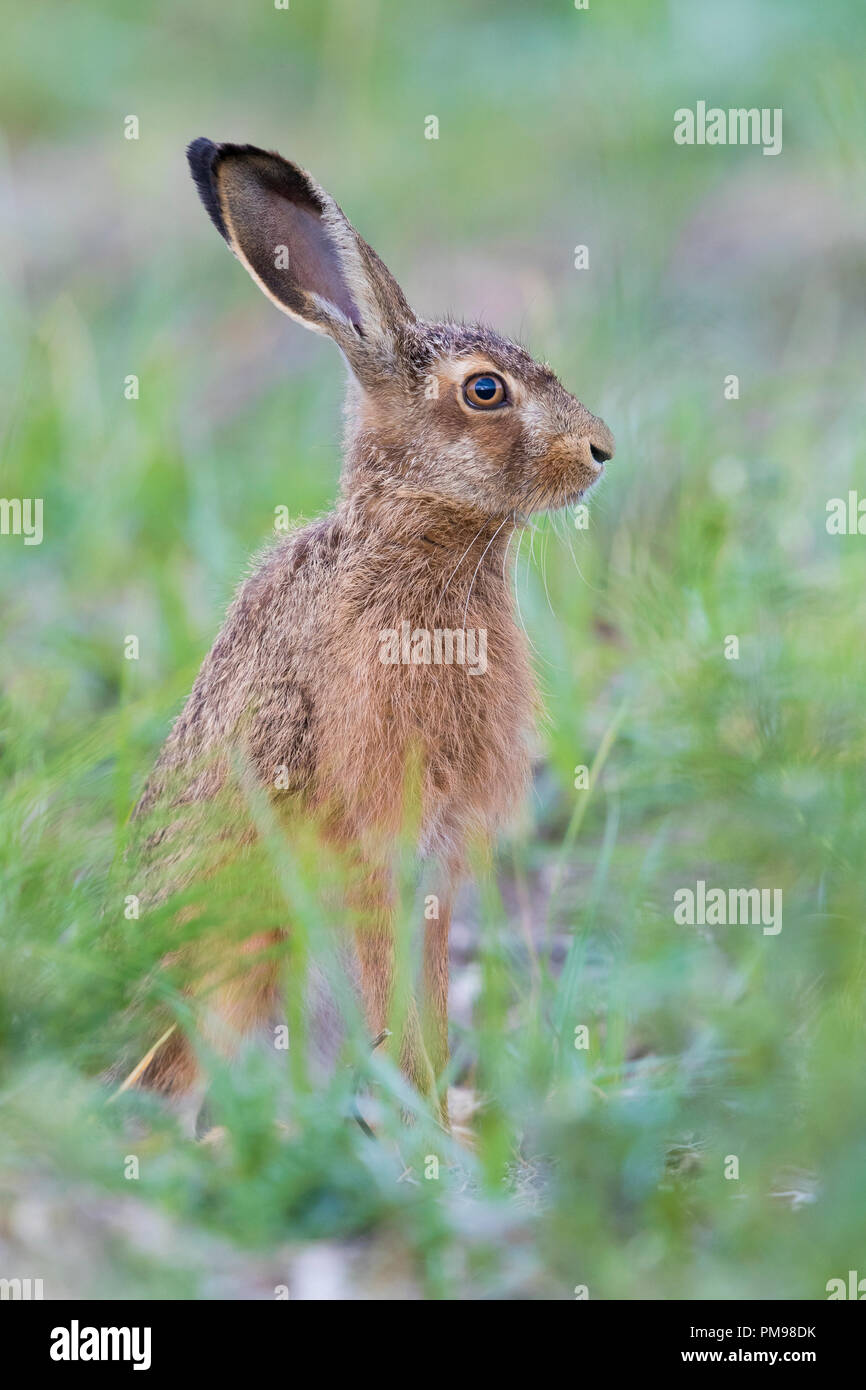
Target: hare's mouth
x,y
588,475
572,465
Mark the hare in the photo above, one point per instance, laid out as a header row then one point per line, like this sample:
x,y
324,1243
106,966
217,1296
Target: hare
x,y
384,631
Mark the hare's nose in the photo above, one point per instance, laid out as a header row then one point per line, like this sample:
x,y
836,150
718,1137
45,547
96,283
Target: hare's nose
x,y
601,444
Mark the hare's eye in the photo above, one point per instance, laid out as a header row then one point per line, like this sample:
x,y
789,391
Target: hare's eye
x,y
485,392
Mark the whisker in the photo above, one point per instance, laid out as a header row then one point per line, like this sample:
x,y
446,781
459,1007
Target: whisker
x,y
478,566
594,588
485,523
544,544
508,547
517,595
567,533
532,530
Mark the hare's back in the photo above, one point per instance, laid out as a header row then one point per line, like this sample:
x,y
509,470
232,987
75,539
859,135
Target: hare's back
x,y
257,685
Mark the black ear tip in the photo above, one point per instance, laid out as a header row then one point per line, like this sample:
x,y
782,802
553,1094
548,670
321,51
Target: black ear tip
x,y
202,155
199,145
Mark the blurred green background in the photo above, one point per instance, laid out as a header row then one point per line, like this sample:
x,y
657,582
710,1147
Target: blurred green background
x,y
602,1167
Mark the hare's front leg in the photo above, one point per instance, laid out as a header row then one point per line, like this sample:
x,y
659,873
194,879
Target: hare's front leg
x,y
375,926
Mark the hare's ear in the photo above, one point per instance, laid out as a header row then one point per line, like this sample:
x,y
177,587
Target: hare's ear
x,y
300,248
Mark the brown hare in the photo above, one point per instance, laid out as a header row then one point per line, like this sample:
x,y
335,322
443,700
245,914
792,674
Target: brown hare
x,y
384,632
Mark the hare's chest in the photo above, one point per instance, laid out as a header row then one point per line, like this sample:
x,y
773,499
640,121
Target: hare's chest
x,y
454,700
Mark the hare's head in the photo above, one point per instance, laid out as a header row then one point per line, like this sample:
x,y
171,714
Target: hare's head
x,y
445,409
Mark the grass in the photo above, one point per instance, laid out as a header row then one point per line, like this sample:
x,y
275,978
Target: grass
x,y
602,1167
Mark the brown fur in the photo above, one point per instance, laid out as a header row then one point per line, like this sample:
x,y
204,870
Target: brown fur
x,y
432,491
